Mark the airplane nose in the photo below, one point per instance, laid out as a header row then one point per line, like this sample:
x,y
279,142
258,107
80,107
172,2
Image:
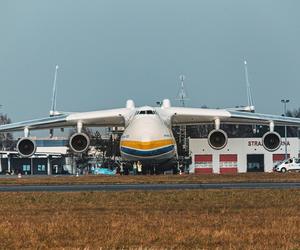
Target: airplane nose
x,y
147,129
146,137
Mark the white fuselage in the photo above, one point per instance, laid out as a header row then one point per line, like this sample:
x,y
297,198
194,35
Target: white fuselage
x,y
147,138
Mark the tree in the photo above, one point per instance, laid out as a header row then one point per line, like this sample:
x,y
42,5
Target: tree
x,y
6,139
293,131
293,113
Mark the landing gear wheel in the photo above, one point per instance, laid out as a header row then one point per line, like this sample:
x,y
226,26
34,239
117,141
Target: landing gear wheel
x,y
175,169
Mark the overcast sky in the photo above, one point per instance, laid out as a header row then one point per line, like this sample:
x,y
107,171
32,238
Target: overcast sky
x,y
112,50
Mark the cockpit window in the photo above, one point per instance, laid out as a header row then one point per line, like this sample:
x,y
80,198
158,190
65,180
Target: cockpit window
x,y
146,112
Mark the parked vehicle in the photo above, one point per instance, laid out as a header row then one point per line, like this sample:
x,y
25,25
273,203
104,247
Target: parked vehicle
x,y
104,171
292,164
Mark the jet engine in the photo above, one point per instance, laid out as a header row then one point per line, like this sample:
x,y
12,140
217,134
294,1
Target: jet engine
x,y
217,139
79,142
26,147
271,141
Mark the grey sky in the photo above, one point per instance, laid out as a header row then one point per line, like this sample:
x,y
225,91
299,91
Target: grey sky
x,y
109,51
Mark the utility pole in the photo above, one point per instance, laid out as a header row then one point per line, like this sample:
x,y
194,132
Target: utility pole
x,y
285,101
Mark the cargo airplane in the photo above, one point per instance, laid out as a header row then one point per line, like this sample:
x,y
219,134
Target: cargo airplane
x,y
147,133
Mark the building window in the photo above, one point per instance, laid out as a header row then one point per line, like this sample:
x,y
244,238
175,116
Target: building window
x,y
26,168
41,168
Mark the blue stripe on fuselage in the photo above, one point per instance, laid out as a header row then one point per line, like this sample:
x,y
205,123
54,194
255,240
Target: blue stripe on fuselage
x,y
154,152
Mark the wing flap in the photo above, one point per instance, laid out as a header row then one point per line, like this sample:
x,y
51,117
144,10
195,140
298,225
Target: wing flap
x,y
196,115
43,123
203,116
103,118
112,117
262,119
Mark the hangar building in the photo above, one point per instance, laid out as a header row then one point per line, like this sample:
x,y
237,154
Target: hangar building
x,y
51,157
240,155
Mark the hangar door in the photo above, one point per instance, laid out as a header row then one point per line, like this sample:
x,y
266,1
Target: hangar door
x,y
228,164
255,163
203,164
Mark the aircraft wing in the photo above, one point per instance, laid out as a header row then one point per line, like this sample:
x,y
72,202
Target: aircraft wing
x,y
105,118
181,115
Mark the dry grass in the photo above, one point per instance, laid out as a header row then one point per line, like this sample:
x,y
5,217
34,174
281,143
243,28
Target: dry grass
x,y
209,178
213,219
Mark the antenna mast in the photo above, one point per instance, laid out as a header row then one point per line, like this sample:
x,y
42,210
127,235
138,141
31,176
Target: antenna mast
x,y
182,96
182,135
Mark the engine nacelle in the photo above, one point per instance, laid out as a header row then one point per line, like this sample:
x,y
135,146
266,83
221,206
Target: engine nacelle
x,y
271,141
217,139
26,147
79,142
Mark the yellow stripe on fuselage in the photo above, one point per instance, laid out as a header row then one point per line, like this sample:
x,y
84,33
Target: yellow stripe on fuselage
x,y
147,145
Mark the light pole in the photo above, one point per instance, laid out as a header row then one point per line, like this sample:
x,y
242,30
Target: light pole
x,y
285,101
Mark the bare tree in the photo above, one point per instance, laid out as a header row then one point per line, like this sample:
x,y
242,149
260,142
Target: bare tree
x,y
6,139
293,131
293,113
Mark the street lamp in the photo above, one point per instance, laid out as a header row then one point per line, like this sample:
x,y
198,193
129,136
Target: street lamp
x,y
285,101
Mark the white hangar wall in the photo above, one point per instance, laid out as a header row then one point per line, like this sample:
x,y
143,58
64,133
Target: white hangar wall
x,y
240,155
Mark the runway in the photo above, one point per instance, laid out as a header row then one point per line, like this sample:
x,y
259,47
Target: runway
x,y
146,187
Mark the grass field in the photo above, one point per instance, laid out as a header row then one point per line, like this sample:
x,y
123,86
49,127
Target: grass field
x,y
209,178
211,219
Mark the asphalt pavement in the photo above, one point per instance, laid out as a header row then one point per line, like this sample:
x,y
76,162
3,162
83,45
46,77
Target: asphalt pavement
x,y
147,187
